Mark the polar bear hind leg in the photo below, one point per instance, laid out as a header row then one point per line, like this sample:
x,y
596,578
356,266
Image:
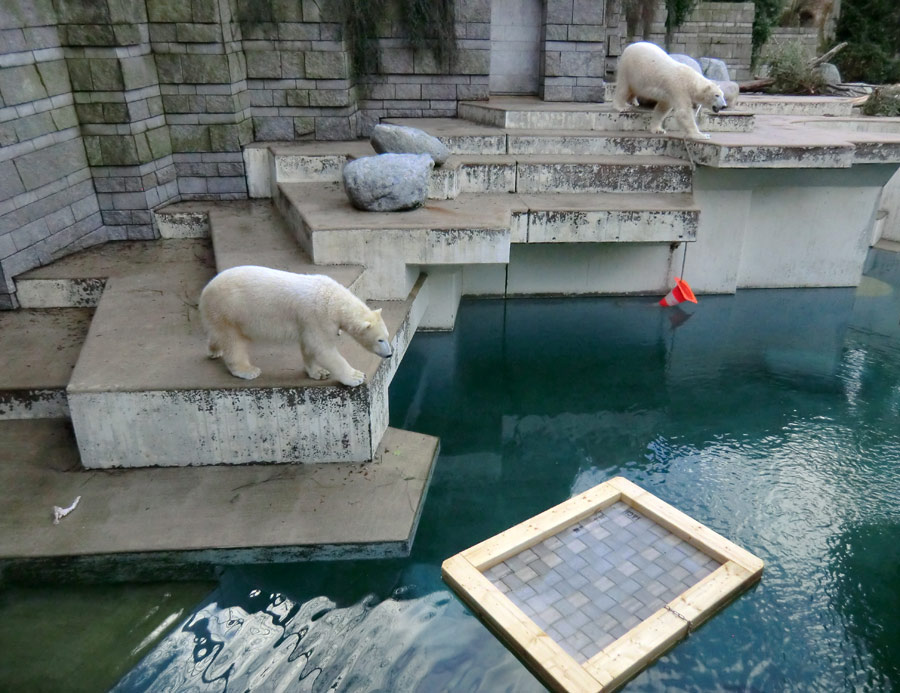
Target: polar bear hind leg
x,y
623,96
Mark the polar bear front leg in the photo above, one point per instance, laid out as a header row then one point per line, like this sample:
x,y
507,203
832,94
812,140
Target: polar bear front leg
x,y
237,358
686,120
332,360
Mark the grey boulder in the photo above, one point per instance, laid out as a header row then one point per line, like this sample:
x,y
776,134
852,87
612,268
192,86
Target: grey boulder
x,y
715,69
830,74
687,60
388,182
401,139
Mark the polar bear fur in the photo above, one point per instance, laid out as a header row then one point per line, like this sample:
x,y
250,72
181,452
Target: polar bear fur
x,y
646,71
246,304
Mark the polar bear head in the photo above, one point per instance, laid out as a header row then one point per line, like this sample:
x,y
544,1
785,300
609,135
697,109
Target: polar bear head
x,y
712,96
372,333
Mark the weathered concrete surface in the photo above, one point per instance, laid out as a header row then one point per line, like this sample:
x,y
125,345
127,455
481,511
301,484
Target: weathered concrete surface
x,y
549,173
610,218
38,350
183,220
77,281
150,522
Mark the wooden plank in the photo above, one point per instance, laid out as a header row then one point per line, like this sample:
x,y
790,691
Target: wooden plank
x,y
624,658
685,527
549,660
498,548
712,593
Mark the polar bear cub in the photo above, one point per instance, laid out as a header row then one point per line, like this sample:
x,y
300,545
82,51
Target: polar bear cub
x,y
246,304
646,71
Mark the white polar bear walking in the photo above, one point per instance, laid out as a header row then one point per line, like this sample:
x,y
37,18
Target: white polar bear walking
x,y
646,71
249,303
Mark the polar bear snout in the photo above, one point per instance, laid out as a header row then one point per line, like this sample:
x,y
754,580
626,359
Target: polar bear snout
x,y
719,102
383,349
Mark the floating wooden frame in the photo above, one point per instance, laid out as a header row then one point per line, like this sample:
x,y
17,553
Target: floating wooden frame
x,y
590,592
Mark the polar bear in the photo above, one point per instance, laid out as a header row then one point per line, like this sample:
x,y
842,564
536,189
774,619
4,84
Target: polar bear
x,y
646,71
249,303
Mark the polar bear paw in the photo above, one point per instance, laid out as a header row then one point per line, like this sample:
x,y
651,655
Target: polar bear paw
x,y
318,373
353,378
702,135
248,373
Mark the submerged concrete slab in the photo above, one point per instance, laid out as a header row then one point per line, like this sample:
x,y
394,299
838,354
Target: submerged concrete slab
x,y
143,522
38,350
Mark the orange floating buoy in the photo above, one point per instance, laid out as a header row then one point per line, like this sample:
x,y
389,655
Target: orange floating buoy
x,y
681,293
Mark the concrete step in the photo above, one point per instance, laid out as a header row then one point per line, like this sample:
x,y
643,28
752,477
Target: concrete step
x,y
475,229
610,218
152,523
143,370
77,280
548,173
38,350
774,104
393,245
531,113
537,171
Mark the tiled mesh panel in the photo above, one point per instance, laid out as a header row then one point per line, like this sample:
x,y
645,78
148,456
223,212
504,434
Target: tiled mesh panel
x,y
594,581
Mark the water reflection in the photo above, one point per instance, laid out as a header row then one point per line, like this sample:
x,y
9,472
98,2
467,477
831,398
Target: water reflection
x,y
273,643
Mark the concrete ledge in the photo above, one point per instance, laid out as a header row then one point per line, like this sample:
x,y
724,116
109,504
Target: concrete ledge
x,y
38,350
145,523
571,174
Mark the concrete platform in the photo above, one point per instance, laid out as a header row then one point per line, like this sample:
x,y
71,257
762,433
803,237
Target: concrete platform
x,y
150,523
38,350
143,370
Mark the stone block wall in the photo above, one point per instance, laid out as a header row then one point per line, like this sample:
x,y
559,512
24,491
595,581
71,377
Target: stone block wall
x,y
414,85
202,77
48,206
575,50
807,36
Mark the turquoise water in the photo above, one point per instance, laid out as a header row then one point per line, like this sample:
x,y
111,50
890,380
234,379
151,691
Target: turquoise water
x,y
771,416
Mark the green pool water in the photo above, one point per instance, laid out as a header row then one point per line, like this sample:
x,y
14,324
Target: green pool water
x,y
771,416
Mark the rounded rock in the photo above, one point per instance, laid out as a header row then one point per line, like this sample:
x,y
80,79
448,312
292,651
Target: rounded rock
x,y
388,182
401,139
